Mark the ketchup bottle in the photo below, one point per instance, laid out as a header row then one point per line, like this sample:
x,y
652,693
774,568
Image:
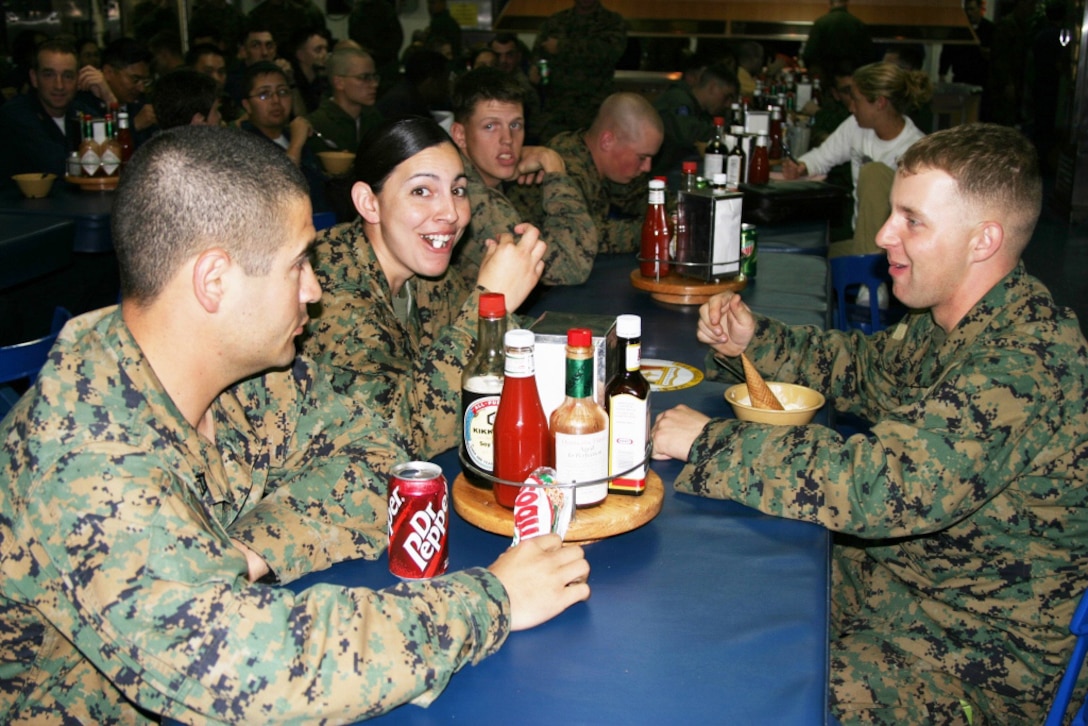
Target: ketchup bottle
x,y
759,171
522,442
654,248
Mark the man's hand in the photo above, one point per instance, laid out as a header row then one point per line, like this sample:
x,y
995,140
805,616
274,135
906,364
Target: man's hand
x,y
299,131
144,118
550,46
675,431
258,568
793,170
513,267
91,79
542,577
536,161
726,324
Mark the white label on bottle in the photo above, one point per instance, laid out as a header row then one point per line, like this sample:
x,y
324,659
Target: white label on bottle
x,y
628,421
633,356
479,431
99,132
734,171
110,162
712,164
519,365
583,457
90,161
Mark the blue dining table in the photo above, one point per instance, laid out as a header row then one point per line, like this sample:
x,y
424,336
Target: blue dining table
x,y
710,613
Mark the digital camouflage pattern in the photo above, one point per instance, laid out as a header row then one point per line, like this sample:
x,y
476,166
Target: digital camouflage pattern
x,y
685,122
560,213
616,209
411,372
580,74
122,595
967,505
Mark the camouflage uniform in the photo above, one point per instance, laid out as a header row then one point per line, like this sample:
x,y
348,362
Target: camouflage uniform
x,y
685,123
414,370
580,75
967,504
616,209
122,595
559,212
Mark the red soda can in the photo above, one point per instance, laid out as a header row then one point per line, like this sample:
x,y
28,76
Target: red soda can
x,y
419,512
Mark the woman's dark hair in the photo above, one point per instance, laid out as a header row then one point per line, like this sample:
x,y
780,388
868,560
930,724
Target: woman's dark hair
x,y
384,147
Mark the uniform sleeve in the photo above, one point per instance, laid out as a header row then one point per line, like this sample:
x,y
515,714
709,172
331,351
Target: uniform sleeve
x,y
833,151
328,461
935,456
155,596
569,230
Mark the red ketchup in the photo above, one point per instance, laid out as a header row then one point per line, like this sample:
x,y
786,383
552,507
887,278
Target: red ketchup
x,y
521,430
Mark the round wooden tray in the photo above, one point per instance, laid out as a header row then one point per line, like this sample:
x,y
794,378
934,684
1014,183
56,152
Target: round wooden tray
x,y
680,290
618,513
94,183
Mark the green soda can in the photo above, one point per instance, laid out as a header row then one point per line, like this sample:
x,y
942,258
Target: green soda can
x,y
748,250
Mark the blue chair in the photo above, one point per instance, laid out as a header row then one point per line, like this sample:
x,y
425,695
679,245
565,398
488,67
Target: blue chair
x,y
22,361
849,274
1079,627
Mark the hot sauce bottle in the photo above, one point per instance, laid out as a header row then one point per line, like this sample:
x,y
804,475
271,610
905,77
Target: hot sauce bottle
x,y
759,170
628,400
481,386
521,432
579,427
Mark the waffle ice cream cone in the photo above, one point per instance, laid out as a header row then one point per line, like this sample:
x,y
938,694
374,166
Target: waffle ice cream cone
x,y
758,391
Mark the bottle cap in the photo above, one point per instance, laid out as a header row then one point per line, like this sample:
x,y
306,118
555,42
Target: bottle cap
x,y
737,130
629,326
519,338
689,167
657,184
719,120
580,337
761,140
721,179
492,305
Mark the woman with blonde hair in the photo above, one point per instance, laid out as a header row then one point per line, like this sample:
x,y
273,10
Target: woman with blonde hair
x,y
879,95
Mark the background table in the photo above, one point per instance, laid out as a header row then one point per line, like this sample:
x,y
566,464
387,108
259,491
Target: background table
x,y
711,613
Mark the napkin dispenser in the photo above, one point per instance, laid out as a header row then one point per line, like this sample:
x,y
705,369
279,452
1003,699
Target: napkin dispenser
x,y
550,354
708,234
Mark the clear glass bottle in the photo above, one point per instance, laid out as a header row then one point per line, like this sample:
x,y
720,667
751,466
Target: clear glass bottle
x,y
714,156
579,427
522,443
736,165
481,388
654,244
628,400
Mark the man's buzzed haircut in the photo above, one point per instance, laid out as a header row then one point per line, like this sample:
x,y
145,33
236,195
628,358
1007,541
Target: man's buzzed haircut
x,y
722,74
203,49
258,69
340,60
124,52
196,187
483,84
54,46
993,165
626,114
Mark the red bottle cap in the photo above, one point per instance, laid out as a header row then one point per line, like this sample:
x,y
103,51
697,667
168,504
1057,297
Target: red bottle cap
x,y
719,120
492,305
579,337
689,167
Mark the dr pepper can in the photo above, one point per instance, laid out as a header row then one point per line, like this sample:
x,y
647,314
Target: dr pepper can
x,y
419,509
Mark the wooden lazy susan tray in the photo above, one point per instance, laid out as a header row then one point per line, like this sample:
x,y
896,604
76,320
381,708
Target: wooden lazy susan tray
x,y
94,183
680,290
618,513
